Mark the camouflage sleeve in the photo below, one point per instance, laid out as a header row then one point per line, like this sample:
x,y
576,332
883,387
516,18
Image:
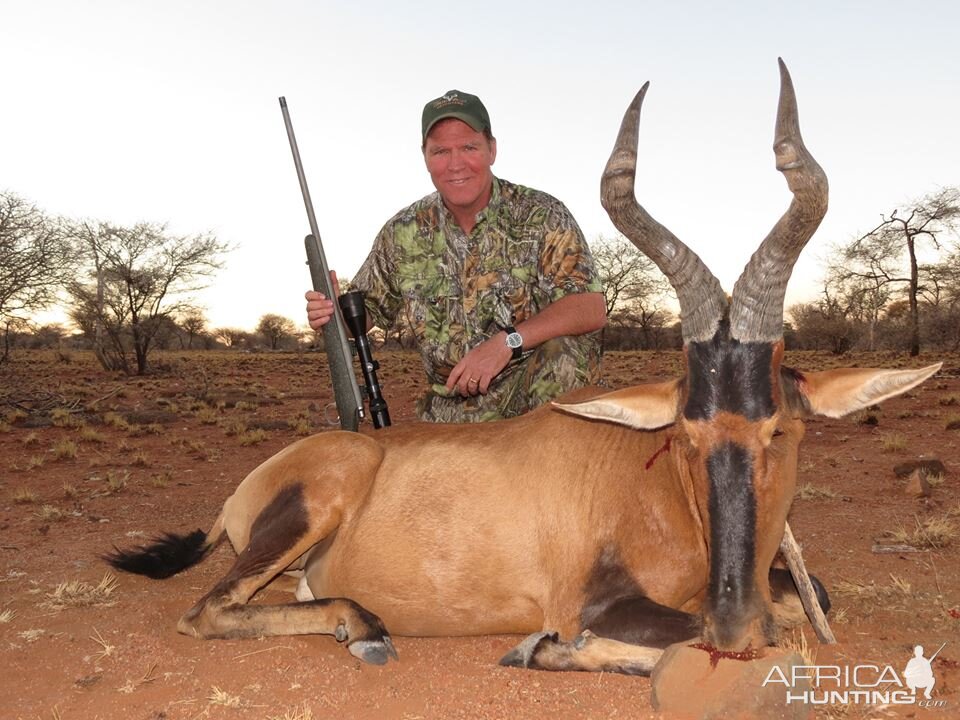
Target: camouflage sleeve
x,y
566,265
377,278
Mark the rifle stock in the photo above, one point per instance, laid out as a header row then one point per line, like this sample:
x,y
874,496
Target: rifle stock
x,y
346,391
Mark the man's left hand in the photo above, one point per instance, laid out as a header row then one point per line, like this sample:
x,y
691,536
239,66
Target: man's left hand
x,y
474,373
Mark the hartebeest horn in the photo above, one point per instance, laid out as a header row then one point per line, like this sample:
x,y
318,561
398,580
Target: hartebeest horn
x,y
756,308
702,300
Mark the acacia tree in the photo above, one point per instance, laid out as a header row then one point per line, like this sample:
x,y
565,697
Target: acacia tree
x,y
941,294
231,336
275,329
193,323
635,291
886,257
35,258
141,277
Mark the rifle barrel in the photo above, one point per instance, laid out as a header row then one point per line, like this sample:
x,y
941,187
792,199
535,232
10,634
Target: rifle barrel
x,y
339,357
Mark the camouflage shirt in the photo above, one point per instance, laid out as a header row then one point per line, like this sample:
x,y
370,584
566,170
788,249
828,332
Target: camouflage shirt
x,y
454,290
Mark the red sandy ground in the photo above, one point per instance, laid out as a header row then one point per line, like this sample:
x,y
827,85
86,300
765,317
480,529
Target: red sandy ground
x,y
179,463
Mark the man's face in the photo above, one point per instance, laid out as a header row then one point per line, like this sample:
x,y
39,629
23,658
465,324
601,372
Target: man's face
x,y
459,159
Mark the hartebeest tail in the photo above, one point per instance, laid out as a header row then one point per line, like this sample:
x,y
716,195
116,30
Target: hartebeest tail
x,y
167,554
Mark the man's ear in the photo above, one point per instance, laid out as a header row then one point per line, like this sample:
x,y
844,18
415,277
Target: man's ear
x,y
644,407
835,393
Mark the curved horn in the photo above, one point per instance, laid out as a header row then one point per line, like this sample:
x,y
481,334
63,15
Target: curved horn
x,y
756,309
702,300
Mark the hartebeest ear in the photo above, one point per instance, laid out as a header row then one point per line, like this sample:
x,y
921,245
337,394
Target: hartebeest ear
x,y
644,407
835,393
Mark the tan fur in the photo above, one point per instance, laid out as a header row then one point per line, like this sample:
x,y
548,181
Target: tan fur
x,y
496,528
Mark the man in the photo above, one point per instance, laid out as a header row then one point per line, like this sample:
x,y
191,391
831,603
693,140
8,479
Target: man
x,y
494,279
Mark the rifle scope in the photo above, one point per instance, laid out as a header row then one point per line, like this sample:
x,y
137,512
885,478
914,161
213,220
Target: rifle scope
x,y
355,315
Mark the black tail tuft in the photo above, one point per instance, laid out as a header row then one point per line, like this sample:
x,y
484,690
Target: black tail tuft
x,y
165,556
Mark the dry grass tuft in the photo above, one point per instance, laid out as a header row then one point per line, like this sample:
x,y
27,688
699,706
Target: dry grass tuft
x,y
207,415
65,419
809,491
35,461
50,513
112,419
797,642
893,442
300,712
7,616
88,434
78,594
32,635
14,415
64,450
161,480
934,533
106,650
223,698
252,437
30,439
25,496
898,588
234,427
140,459
116,481
70,491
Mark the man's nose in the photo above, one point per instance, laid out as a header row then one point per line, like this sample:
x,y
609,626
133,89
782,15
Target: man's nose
x,y
456,159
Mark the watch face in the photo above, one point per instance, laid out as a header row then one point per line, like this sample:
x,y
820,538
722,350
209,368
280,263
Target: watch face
x,y
514,340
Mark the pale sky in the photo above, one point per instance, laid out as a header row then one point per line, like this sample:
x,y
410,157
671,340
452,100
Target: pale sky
x,y
167,111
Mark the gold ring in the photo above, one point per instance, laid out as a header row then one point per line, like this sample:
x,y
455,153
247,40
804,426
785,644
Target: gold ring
x,y
474,380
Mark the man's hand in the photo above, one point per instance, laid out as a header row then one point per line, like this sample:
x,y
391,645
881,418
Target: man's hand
x,y
320,308
474,373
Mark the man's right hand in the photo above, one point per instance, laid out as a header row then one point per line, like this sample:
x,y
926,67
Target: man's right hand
x,y
320,308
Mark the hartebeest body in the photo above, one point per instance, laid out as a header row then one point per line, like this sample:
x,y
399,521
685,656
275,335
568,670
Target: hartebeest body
x,y
645,516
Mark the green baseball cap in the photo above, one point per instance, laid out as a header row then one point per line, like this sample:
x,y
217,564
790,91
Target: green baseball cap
x,y
459,105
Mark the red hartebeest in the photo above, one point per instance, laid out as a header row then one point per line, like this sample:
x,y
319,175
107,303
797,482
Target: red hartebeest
x,y
635,518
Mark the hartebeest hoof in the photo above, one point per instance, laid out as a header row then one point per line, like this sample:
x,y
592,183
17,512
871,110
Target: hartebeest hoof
x,y
523,654
375,652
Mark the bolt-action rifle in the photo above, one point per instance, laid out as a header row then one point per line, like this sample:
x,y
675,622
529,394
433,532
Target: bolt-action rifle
x,y
346,392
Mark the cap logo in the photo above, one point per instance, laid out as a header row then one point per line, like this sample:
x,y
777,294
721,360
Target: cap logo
x,y
448,99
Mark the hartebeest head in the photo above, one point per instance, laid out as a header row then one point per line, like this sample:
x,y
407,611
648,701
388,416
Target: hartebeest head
x,y
737,412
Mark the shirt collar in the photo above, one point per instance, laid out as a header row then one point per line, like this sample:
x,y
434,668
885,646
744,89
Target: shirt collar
x,y
496,199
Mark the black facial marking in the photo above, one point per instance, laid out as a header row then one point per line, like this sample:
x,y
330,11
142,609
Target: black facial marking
x,y
725,375
733,512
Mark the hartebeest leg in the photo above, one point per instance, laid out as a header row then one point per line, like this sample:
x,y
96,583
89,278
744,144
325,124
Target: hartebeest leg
x,y
285,529
788,609
625,636
586,652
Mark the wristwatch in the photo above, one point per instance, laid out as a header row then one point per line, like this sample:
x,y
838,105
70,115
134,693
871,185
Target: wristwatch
x,y
514,341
